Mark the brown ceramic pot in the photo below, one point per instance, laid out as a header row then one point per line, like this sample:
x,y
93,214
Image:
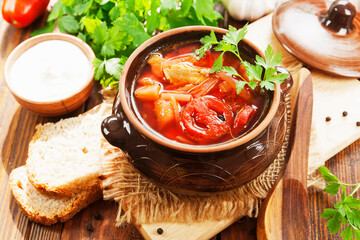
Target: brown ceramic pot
x,y
194,169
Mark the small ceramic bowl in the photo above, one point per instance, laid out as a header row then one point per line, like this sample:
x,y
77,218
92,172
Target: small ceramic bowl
x,y
193,169
70,98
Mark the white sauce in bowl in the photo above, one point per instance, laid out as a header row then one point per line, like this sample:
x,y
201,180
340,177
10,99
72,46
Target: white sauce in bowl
x,y
50,71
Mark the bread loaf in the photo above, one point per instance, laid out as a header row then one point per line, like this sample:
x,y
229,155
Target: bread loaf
x,y
64,157
45,209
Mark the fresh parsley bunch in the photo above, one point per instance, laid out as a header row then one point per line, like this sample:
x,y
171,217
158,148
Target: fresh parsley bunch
x,y
263,72
115,28
346,212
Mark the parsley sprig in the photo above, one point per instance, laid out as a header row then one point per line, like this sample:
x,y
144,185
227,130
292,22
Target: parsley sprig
x,y
263,73
115,28
346,212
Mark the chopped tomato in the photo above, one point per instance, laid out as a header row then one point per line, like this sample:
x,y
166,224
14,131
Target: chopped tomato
x,y
243,116
246,94
206,118
230,80
206,61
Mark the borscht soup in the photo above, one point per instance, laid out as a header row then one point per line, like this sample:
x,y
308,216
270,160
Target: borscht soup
x,y
178,96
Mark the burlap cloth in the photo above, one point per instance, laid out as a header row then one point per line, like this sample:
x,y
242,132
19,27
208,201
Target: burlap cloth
x,y
141,201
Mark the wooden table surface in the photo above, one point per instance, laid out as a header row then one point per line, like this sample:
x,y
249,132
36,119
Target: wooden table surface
x,y
17,126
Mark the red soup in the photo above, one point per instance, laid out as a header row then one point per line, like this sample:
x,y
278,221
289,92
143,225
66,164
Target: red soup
x,y
177,96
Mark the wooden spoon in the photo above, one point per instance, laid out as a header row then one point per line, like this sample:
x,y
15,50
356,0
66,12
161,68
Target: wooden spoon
x,y
284,215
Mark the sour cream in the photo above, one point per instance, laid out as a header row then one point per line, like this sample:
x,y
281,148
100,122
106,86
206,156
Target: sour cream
x,y
50,71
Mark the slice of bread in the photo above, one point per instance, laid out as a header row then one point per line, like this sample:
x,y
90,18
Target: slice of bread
x,y
64,158
45,209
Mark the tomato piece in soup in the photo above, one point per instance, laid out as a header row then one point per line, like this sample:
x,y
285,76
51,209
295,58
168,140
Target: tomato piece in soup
x,y
243,116
206,118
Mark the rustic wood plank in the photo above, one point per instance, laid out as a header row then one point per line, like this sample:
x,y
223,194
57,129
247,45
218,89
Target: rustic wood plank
x,y
243,229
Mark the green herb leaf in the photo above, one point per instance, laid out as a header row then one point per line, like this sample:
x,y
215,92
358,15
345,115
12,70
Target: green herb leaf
x,y
357,234
332,188
185,7
357,219
217,64
327,175
207,42
132,26
253,71
230,71
271,60
346,211
56,11
99,68
240,86
68,24
113,67
234,36
225,47
347,234
253,84
334,224
267,85
205,11
46,29
352,202
329,213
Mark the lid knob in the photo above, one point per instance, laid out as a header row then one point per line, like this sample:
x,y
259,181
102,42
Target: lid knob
x,y
339,17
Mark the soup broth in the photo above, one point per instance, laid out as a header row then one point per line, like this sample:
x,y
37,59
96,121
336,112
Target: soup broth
x,y
178,96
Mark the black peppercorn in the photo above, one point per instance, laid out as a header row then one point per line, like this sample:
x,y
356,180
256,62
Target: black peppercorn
x,y
90,228
160,231
345,113
328,119
97,216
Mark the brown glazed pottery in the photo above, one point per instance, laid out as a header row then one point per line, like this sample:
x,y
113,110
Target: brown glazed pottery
x,y
322,36
193,169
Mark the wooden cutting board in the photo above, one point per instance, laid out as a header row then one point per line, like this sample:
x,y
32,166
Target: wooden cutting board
x,y
332,96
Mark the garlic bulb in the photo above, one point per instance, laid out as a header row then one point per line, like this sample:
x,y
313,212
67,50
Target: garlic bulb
x,y
253,9
250,9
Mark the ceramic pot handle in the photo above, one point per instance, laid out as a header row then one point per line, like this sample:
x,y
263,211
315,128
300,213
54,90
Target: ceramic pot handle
x,y
288,82
116,129
339,17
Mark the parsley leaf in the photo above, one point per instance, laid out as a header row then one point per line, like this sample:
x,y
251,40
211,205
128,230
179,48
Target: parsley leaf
x,y
234,36
217,64
263,73
327,175
271,60
332,188
230,71
347,234
205,11
346,212
357,234
68,24
132,26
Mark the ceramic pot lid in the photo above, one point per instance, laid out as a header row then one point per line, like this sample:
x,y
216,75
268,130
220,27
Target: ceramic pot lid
x,y
327,38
